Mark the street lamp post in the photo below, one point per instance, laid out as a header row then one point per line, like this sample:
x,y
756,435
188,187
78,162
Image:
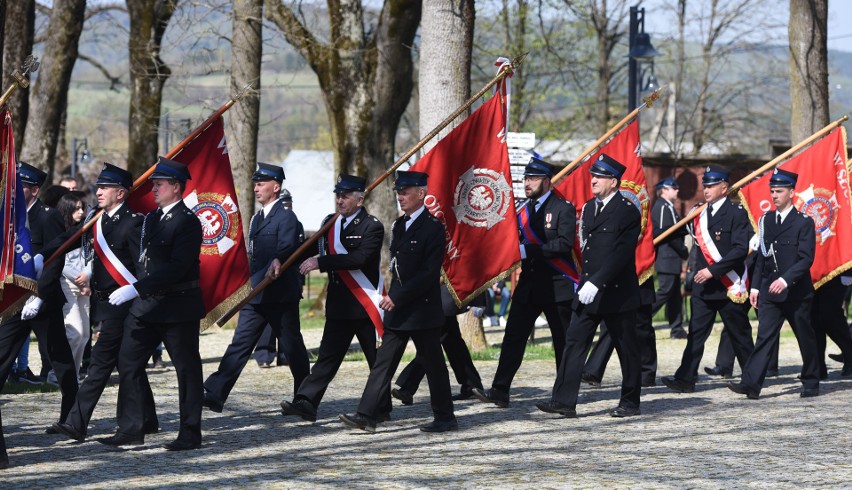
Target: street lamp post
x,y
641,49
81,154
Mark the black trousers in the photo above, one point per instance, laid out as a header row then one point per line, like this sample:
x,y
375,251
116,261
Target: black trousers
x,y
49,326
336,339
103,361
12,336
725,354
770,321
735,318
578,339
428,345
181,341
284,319
645,336
270,348
668,295
829,319
519,326
458,355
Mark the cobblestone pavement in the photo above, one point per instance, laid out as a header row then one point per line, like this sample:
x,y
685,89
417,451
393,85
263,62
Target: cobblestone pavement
x,y
709,439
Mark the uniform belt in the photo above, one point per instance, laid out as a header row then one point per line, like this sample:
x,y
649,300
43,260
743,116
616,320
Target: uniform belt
x,y
102,295
182,286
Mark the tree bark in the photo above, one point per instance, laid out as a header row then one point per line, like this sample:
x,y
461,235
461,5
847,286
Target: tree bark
x,y
246,51
18,32
808,30
472,331
50,91
148,75
366,82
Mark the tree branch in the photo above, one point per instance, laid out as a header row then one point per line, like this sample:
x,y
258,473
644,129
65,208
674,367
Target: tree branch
x,y
114,81
296,33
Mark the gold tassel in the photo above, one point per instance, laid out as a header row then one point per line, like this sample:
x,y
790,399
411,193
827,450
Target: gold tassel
x,y
225,305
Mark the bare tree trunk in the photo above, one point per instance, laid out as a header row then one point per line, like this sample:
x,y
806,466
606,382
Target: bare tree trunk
x,y
808,30
148,75
18,32
50,91
366,81
447,34
675,142
246,51
2,30
514,42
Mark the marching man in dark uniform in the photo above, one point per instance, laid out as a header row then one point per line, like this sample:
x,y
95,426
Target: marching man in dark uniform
x,y
114,243
167,307
351,255
548,277
274,234
412,310
721,232
609,291
670,256
781,288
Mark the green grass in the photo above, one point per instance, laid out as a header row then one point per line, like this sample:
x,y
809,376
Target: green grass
x,y
21,388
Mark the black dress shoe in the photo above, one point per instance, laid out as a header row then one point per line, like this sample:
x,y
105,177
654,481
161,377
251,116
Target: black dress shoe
x,y
771,373
301,407
441,426
847,370
359,422
649,383
678,385
743,390
557,407
211,404
405,397
179,445
4,463
51,430
620,411
69,431
590,379
678,334
717,371
836,357
385,417
120,439
492,395
809,393
466,393
154,429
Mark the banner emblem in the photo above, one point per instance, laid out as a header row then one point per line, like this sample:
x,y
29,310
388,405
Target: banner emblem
x,y
482,198
638,195
219,218
822,206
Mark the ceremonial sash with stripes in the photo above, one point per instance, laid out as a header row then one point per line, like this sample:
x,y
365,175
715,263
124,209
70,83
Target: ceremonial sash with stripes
x,y
564,266
364,291
737,286
116,269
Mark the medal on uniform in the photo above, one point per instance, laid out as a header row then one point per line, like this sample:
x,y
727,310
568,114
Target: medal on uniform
x,y
548,218
718,235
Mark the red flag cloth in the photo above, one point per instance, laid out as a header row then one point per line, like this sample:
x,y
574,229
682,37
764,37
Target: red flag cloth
x,y
470,191
17,269
210,194
822,192
577,188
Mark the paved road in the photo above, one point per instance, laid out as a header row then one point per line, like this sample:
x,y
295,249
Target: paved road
x,y
709,439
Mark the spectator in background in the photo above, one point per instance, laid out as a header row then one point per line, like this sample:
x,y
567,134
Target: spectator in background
x,y
505,293
69,183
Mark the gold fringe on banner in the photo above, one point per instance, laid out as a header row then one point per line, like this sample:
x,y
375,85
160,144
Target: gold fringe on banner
x,y
13,310
462,303
836,272
751,218
645,275
229,302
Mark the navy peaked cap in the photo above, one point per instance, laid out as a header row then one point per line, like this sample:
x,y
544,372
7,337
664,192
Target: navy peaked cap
x,y
112,175
266,171
31,175
713,174
350,183
170,169
539,168
606,166
409,179
783,178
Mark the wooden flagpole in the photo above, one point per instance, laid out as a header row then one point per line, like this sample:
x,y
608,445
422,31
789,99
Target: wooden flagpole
x,y
507,70
750,177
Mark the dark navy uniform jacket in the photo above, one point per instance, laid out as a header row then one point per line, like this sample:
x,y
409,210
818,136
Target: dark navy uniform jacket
x,y
793,242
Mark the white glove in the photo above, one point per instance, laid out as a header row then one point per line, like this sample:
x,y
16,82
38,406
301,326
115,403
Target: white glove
x,y
754,243
38,263
846,281
31,308
123,295
587,293
477,311
523,252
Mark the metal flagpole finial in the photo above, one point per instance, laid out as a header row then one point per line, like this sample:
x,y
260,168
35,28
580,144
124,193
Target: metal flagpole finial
x,y
243,91
654,96
30,65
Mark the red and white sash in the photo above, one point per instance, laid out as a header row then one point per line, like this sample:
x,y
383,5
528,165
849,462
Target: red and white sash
x,y
365,292
737,286
116,269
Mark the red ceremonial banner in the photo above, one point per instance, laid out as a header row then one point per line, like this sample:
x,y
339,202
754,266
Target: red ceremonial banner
x,y
822,192
210,194
577,188
470,191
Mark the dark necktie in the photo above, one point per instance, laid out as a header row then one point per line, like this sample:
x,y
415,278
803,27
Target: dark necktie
x,y
709,211
598,207
405,219
533,205
159,214
777,219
